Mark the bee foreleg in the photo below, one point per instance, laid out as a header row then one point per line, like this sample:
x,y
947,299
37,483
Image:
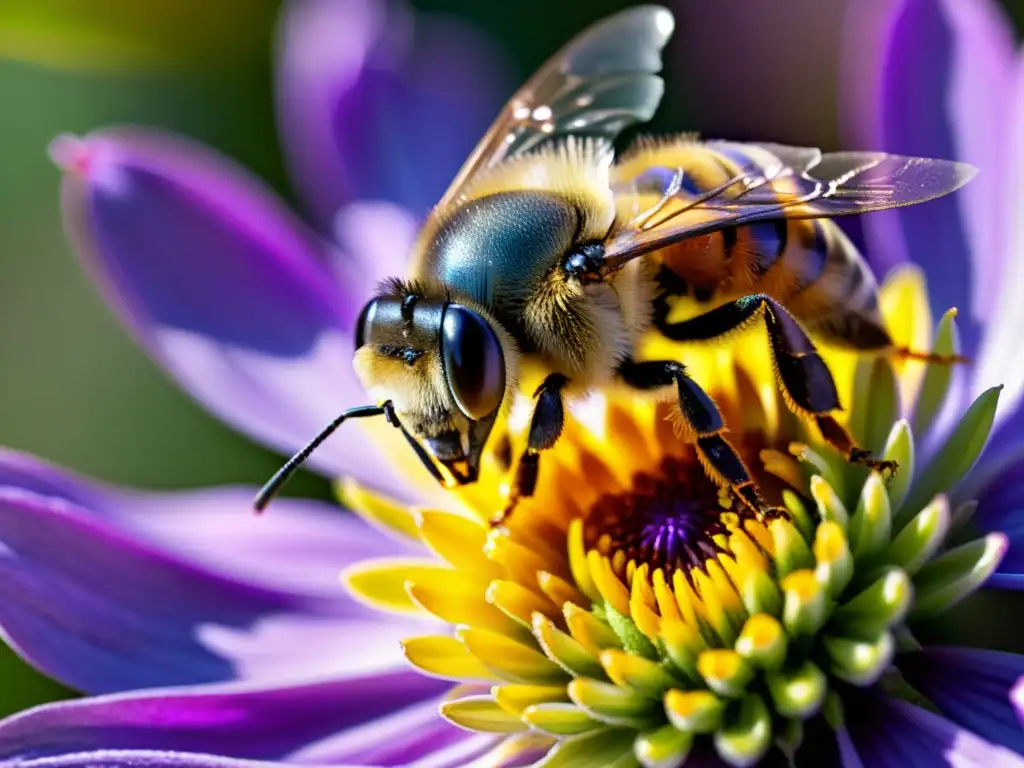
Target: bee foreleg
x,y
545,429
804,378
721,461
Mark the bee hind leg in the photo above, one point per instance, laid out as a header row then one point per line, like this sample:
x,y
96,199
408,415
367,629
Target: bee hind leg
x,y
804,378
721,461
545,429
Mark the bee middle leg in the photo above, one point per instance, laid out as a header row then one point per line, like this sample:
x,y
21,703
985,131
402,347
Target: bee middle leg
x,y
805,380
545,428
721,461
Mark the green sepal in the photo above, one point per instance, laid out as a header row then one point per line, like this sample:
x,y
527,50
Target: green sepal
x,y
649,678
760,593
799,514
900,448
805,609
597,748
667,747
921,538
952,576
935,384
955,457
747,734
882,405
633,640
835,562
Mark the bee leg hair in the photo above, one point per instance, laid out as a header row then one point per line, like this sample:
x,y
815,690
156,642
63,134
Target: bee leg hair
x,y
545,429
803,376
721,461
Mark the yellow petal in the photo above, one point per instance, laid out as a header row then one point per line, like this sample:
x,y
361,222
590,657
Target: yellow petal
x,y
469,608
560,591
481,713
608,584
443,656
903,300
460,541
381,583
516,601
515,698
381,512
520,563
578,561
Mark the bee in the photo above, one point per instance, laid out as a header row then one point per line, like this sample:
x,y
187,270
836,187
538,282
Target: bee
x,y
545,252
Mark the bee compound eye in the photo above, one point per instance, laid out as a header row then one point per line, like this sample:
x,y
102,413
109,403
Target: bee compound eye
x,y
474,364
364,322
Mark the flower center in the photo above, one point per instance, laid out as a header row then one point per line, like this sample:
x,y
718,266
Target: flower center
x,y
667,519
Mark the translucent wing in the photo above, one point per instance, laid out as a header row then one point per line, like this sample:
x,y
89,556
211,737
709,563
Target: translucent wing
x,y
773,182
601,82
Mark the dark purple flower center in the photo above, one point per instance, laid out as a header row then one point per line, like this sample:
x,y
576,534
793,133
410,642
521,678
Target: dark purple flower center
x,y
667,519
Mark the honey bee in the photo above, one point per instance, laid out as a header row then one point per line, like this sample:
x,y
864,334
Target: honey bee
x,y
547,252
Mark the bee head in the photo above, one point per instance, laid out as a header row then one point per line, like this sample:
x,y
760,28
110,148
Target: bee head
x,y
444,366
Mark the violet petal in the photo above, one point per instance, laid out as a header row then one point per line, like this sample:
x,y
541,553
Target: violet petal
x,y
298,548
998,486
378,103
224,287
936,53
890,733
971,687
228,721
128,758
101,607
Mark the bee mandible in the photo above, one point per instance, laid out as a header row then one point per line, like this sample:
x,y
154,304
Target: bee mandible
x,y
547,252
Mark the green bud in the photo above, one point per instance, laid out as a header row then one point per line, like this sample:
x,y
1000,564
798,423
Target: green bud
x,y
647,677
798,512
763,642
949,578
560,719
798,692
760,593
682,644
877,608
695,711
871,524
791,550
835,563
725,672
806,603
747,735
882,404
900,448
666,747
857,661
830,507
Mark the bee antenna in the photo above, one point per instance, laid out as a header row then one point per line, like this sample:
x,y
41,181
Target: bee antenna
x,y
284,474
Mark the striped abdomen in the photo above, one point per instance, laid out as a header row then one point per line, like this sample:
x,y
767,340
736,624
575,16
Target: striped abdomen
x,y
808,265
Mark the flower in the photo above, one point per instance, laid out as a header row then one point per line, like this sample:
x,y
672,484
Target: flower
x,y
629,612
251,312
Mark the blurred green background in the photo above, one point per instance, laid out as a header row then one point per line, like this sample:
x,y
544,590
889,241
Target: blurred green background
x,y
73,388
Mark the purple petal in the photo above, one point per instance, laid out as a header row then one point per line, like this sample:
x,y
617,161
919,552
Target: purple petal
x,y
998,486
118,758
298,548
972,688
401,738
254,724
930,104
376,103
888,733
112,596
378,236
1017,699
223,287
